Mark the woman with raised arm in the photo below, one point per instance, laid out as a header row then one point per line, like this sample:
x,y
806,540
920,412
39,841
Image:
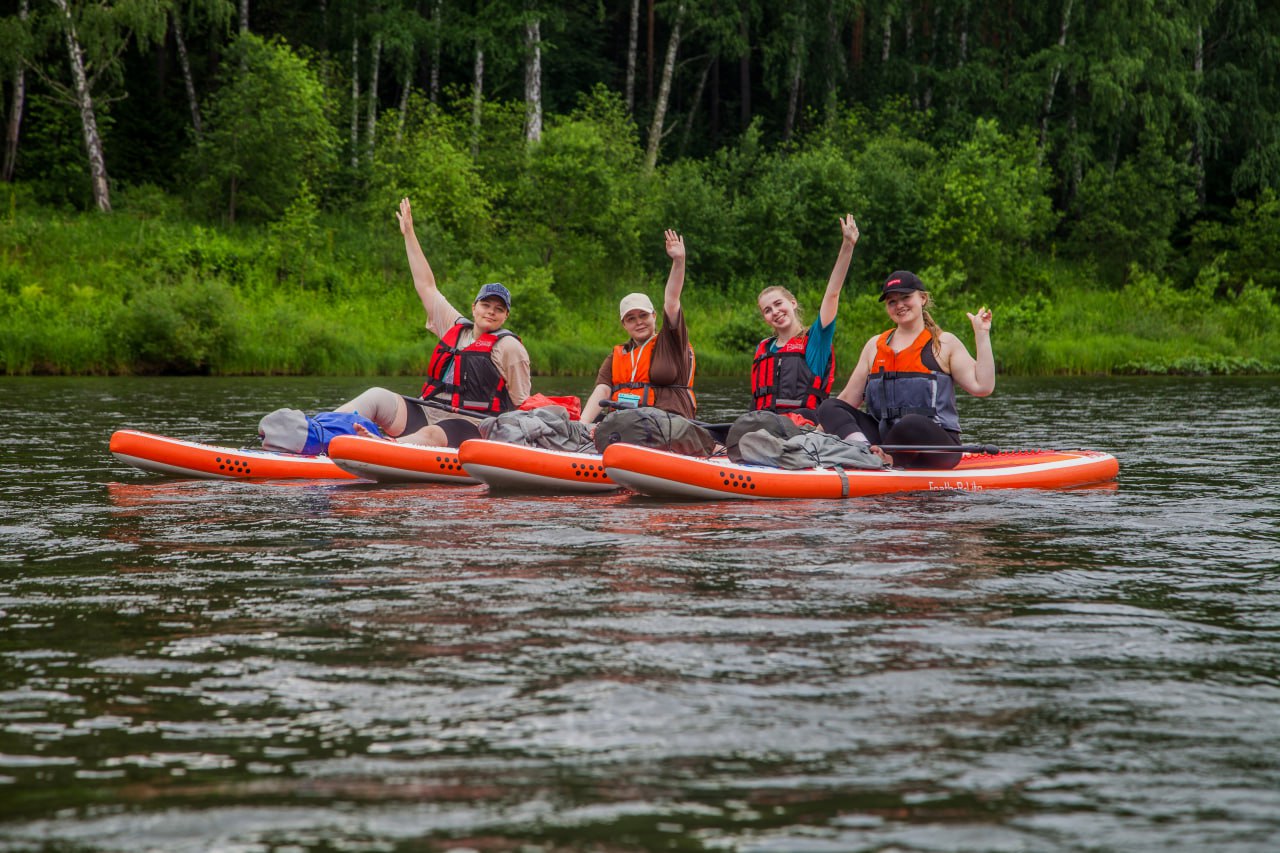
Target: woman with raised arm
x,y
654,367
906,379
793,370
477,370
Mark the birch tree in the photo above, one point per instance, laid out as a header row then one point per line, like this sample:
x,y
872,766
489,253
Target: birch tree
x,y
216,13
656,129
533,79
109,31
18,40
633,37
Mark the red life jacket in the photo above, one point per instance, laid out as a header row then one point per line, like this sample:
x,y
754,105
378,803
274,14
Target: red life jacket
x,y
466,379
781,380
631,366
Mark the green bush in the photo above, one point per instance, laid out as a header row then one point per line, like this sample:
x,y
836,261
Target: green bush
x,y
266,133
186,328
452,203
1129,214
991,209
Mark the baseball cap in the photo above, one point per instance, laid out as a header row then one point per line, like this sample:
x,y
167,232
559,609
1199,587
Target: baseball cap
x,y
632,301
900,281
494,289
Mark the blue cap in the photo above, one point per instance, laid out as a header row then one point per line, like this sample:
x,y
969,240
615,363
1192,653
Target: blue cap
x,y
494,290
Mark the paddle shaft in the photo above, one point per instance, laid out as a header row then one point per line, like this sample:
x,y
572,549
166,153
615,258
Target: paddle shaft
x,y
941,448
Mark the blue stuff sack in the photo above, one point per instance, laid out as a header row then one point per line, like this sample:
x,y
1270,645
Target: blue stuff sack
x,y
325,426
291,431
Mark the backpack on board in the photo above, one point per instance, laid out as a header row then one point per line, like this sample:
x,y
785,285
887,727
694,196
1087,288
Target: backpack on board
x,y
652,427
549,427
767,438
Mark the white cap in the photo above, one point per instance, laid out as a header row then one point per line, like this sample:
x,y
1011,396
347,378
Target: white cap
x,y
632,301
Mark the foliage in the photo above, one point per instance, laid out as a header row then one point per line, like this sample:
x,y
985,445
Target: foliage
x,y
991,208
1244,249
1053,168
267,133
452,201
188,328
1129,215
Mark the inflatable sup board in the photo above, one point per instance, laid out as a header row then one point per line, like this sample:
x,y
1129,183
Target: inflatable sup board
x,y
514,467
670,475
388,462
177,457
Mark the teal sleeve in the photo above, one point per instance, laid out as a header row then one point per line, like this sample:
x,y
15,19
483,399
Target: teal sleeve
x,y
817,352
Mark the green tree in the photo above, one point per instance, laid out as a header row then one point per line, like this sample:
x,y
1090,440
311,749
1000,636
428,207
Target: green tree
x,y
267,134
991,207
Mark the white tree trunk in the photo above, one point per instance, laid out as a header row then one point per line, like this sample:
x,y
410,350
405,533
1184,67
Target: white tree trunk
x,y
633,36
797,77
435,51
355,102
1053,80
185,64
888,37
1197,147
656,131
477,101
404,105
533,82
88,118
371,117
14,129
244,16
695,102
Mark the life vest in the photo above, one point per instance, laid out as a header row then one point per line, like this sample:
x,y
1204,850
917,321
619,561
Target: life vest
x,y
781,379
910,382
631,365
466,378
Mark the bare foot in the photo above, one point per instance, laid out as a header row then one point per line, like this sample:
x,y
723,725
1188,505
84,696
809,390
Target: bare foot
x,y
884,457
363,430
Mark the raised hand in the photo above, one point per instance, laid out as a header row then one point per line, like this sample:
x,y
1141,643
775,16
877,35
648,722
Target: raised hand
x,y
675,245
405,216
849,229
981,321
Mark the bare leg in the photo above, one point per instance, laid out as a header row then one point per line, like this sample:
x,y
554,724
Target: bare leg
x,y
385,408
430,435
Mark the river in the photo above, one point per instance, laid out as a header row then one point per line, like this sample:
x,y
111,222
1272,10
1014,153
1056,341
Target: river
x,y
195,665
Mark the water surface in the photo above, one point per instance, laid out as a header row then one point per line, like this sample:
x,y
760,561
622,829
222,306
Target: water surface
x,y
194,665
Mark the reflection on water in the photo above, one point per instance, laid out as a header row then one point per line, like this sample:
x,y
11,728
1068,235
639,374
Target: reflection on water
x,y
210,665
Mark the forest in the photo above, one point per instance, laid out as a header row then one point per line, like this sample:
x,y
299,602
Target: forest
x,y
208,187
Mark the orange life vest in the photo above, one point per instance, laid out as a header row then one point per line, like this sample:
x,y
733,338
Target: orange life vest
x,y
630,375
910,382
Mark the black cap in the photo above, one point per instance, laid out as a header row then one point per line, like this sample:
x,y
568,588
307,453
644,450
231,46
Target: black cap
x,y
900,281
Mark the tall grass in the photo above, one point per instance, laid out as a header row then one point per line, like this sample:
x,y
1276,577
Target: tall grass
x,y
139,292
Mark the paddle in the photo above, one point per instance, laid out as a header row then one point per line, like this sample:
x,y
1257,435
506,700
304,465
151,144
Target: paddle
x,y
941,448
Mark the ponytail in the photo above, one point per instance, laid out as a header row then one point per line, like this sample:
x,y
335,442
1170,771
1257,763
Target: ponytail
x,y
935,331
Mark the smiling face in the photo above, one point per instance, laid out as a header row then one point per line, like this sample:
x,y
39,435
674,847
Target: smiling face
x,y
489,314
639,324
778,307
906,309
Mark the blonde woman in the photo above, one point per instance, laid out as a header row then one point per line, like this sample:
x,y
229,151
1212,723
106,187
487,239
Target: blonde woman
x,y
793,370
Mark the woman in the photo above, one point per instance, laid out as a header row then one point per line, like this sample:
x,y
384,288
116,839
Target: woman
x,y
906,377
793,370
653,368
477,370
